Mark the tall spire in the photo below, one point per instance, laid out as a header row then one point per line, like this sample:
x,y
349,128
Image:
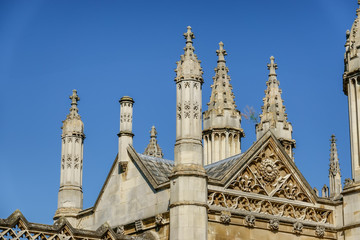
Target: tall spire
x,y
222,121
70,197
189,66
334,169
153,149
273,112
222,96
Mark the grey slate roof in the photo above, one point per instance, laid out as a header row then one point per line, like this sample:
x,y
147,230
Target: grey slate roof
x,y
218,169
161,168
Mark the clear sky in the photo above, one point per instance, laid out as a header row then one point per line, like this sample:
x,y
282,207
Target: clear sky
x,y
108,49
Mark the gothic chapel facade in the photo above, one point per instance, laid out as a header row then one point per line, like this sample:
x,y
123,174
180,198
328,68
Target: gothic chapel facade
x,y
213,189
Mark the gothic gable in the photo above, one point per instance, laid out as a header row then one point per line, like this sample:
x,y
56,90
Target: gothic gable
x,y
265,170
272,173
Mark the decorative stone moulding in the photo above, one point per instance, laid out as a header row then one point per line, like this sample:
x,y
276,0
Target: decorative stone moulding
x,y
270,208
250,221
298,227
274,224
225,217
120,230
139,225
320,231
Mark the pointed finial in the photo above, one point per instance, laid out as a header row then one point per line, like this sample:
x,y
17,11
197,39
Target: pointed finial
x,y
153,132
74,98
272,66
74,102
333,139
221,52
189,36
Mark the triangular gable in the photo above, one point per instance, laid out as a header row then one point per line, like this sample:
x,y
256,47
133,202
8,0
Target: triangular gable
x,y
268,170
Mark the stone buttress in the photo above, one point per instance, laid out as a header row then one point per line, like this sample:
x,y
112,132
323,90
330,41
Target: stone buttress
x,y
273,112
222,121
70,198
351,88
188,183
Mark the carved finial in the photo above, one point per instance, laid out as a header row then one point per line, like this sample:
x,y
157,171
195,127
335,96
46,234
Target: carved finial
x,y
189,36
272,66
74,102
74,98
221,52
153,132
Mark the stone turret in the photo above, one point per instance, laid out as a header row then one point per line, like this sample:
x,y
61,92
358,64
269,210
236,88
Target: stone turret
x,y
222,121
351,88
125,135
153,149
70,198
188,187
334,170
273,112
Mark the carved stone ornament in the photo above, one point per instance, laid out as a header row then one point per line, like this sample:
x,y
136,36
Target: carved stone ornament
x,y
274,224
250,221
320,231
225,217
348,182
298,227
123,166
268,170
120,230
159,220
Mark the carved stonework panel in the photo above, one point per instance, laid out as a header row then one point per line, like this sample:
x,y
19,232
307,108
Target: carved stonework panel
x,y
268,175
277,209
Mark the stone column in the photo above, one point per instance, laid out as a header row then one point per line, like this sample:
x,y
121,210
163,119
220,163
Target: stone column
x,y
125,135
188,191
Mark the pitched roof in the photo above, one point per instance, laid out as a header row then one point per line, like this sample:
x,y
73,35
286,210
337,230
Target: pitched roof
x,y
159,168
216,170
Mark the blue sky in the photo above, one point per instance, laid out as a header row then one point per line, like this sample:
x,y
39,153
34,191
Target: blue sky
x,y
108,49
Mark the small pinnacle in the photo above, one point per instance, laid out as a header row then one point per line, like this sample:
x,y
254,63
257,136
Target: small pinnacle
x,y
221,52
189,36
272,66
333,139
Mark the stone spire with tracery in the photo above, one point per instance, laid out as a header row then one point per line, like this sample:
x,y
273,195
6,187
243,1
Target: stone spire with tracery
x,y
153,149
222,121
273,112
188,203
334,170
70,197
